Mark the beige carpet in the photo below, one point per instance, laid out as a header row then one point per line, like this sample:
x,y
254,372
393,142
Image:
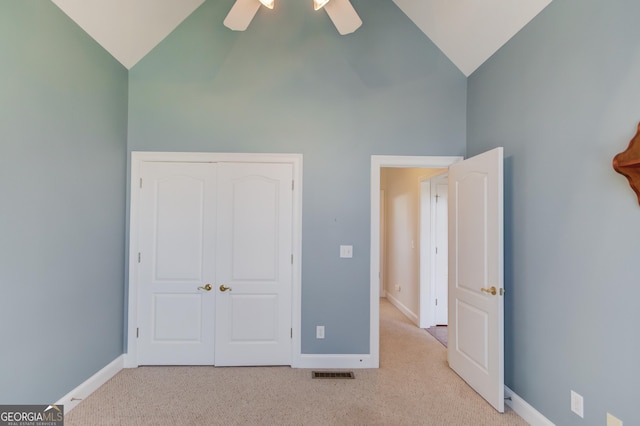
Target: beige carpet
x,y
413,386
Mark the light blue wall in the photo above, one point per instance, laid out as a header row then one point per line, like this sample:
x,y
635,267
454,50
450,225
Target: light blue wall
x,y
290,83
63,112
563,97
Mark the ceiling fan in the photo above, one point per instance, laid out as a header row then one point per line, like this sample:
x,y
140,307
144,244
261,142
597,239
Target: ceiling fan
x,y
341,12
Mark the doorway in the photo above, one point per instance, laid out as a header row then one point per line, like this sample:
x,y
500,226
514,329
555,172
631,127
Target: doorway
x,y
411,256
477,262
377,163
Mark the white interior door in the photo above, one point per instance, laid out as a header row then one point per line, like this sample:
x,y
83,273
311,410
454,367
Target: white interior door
x,y
254,264
476,339
176,228
441,256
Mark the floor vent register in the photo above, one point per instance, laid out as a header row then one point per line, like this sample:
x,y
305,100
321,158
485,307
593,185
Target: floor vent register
x,y
333,375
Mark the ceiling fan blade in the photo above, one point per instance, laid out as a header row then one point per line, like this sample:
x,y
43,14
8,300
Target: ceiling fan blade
x,y
343,15
241,14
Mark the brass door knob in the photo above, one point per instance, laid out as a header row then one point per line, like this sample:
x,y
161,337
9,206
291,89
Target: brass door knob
x,y
224,288
492,291
207,287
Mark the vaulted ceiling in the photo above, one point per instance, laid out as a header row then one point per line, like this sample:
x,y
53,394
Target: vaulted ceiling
x,y
467,31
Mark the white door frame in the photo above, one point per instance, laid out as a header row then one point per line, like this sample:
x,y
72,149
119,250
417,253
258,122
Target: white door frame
x,y
430,227
426,315
378,162
442,230
383,250
137,158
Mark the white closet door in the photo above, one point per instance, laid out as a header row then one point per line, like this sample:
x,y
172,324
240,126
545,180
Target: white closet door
x,y
176,225
254,264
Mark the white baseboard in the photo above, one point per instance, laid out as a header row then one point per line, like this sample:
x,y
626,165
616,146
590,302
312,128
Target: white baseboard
x,y
90,385
335,361
405,311
524,410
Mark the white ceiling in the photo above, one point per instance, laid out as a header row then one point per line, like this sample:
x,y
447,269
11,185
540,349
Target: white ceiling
x,y
470,31
128,29
467,31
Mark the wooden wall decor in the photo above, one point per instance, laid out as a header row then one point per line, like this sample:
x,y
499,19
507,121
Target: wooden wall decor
x,y
627,163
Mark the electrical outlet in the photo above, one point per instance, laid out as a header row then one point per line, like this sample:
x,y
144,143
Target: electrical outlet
x,y
320,332
577,404
397,287
613,420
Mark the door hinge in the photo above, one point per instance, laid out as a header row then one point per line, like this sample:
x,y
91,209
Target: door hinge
x,y
436,250
137,332
292,184
292,259
291,329
138,257
436,302
437,197
140,182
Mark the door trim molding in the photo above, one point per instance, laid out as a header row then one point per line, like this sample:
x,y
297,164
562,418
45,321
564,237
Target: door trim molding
x,y
378,162
137,158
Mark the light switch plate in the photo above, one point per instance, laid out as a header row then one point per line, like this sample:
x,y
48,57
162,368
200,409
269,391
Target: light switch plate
x,y
346,251
577,404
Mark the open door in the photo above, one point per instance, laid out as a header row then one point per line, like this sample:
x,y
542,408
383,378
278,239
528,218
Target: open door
x,y
476,274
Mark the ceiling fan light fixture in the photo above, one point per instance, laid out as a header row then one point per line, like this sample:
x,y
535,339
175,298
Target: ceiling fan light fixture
x,y
319,4
268,3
